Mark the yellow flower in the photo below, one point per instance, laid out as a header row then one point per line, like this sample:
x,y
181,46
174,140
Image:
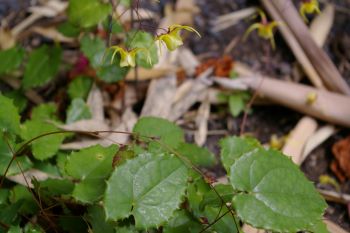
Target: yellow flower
x,y
265,29
128,57
309,7
172,38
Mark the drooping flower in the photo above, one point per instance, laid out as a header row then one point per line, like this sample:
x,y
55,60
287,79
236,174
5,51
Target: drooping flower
x,y
264,27
172,38
128,57
309,7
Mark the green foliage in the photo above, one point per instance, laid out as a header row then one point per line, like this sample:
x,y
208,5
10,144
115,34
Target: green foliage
x,y
197,155
237,103
233,148
266,202
79,87
45,112
168,133
45,147
150,188
10,59
87,13
68,29
78,110
42,66
19,100
9,118
100,59
182,221
6,156
24,196
90,166
97,219
145,40
150,184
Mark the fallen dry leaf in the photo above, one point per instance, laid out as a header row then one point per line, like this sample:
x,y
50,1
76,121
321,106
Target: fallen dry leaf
x,y
341,151
222,66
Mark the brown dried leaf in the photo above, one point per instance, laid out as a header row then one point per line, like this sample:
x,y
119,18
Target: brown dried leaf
x,y
341,151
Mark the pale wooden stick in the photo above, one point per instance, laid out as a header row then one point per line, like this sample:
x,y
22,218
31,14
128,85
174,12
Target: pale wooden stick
x,y
293,43
298,137
322,104
322,63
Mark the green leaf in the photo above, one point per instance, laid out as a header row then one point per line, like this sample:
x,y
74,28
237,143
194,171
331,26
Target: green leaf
x,y
9,117
9,213
236,105
91,166
275,193
225,225
319,227
87,13
130,229
14,229
45,112
111,73
196,190
211,197
10,59
237,102
149,187
169,133
73,225
78,110
6,157
44,147
19,100
233,148
68,29
47,167
21,193
57,187
42,66
182,222
196,195
140,39
197,155
33,228
100,59
4,194
97,219
79,87
94,49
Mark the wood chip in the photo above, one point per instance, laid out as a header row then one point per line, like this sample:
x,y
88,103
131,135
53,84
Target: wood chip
x,y
26,178
298,137
202,118
320,136
188,94
322,25
53,33
160,95
95,103
225,21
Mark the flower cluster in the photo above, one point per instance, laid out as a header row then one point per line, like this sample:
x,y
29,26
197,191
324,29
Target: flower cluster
x,y
308,7
264,27
172,39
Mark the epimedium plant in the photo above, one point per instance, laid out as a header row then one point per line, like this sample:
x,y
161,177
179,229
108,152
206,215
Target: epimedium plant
x,y
153,184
